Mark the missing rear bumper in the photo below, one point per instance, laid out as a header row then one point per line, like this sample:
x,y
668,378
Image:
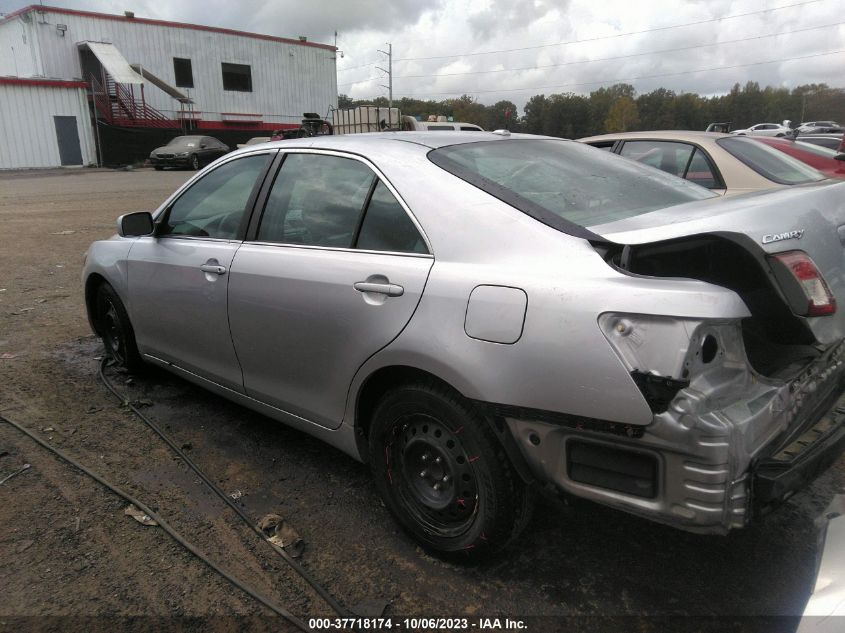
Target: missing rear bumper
x,y
800,460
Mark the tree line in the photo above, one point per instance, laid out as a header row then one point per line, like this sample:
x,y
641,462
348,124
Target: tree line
x,y
619,108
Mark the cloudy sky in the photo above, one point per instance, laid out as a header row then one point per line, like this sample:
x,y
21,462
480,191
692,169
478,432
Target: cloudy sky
x,y
513,49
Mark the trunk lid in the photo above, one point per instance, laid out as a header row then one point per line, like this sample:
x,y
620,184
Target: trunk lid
x,y
809,218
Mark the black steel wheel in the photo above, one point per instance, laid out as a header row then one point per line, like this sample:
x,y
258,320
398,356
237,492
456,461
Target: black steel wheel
x,y
443,474
195,162
115,329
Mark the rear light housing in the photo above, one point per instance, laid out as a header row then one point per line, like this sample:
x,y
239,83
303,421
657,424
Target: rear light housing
x,y
820,301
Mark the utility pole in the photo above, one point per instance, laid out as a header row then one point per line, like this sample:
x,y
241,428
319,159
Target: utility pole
x,y
389,71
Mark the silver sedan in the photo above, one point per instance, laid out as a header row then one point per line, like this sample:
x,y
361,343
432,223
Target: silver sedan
x,y
479,315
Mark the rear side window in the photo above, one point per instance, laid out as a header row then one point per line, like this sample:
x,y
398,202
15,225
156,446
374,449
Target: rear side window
x,y
214,206
387,227
316,200
770,163
700,172
564,184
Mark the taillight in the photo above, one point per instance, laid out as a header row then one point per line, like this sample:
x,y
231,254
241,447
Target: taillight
x,y
820,301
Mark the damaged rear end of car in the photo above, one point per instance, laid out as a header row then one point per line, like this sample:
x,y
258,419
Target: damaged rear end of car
x,y
726,315
746,410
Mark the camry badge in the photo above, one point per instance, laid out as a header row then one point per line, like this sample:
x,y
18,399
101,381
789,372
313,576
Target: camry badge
x,y
779,237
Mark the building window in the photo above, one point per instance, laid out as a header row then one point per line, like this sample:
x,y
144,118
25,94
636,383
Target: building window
x,y
183,72
237,77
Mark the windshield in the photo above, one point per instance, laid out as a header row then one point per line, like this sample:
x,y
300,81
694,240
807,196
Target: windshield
x,y
564,182
185,141
770,163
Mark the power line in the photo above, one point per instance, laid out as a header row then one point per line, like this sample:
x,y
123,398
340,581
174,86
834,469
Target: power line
x,y
617,35
604,59
617,80
343,70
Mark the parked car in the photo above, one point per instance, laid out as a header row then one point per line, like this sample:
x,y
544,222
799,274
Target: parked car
x,y
188,151
478,314
723,163
829,162
819,127
255,140
830,141
410,124
764,129
724,127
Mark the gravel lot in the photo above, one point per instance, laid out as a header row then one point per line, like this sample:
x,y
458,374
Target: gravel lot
x,y
67,549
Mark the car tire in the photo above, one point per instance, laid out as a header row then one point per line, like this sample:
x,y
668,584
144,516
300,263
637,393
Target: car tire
x,y
195,162
443,474
116,330
158,167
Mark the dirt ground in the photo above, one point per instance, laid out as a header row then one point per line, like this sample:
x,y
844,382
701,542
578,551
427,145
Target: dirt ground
x,y
68,551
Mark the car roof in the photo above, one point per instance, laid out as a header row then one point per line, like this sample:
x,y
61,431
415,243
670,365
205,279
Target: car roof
x,y
689,136
427,140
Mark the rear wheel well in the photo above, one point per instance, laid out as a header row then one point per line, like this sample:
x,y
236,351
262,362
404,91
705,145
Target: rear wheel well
x,y
376,385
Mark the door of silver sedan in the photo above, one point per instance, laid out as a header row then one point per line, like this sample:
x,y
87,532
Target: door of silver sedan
x,y
178,277
333,272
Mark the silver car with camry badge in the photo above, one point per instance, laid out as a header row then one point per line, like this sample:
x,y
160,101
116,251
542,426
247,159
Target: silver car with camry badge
x,y
481,315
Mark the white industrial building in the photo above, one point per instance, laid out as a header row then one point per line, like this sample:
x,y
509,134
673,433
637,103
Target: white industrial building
x,y
143,81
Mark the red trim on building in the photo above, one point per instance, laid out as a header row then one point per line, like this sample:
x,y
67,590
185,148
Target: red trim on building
x,y
46,83
245,126
177,25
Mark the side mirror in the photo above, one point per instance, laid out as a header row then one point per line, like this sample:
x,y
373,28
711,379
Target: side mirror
x,y
135,224
840,156
203,145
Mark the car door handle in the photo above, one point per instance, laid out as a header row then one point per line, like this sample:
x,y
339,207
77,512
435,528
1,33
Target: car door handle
x,y
215,269
391,290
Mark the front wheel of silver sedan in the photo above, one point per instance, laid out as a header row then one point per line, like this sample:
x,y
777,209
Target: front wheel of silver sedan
x,y
443,474
116,330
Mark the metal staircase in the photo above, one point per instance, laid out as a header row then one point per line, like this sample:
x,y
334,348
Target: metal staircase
x,y
118,104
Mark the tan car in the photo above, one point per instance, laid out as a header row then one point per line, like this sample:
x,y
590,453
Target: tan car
x,y
724,163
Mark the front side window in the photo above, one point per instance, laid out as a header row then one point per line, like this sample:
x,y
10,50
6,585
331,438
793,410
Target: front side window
x,y
769,163
565,183
316,200
664,155
214,206
237,77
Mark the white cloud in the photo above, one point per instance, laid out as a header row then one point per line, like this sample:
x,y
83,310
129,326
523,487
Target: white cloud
x,y
438,28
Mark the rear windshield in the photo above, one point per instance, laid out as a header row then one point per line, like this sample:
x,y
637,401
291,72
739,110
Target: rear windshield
x,y
770,163
818,150
562,183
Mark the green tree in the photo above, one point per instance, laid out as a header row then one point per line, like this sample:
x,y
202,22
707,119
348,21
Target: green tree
x,y
622,116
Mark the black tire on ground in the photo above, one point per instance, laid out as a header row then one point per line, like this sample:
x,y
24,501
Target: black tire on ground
x,y
195,162
443,474
116,329
158,167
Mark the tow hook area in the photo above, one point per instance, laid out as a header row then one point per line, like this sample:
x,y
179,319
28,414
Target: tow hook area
x,y
658,391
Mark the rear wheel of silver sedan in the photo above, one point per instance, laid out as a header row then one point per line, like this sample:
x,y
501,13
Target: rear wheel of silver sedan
x,y
116,330
443,474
